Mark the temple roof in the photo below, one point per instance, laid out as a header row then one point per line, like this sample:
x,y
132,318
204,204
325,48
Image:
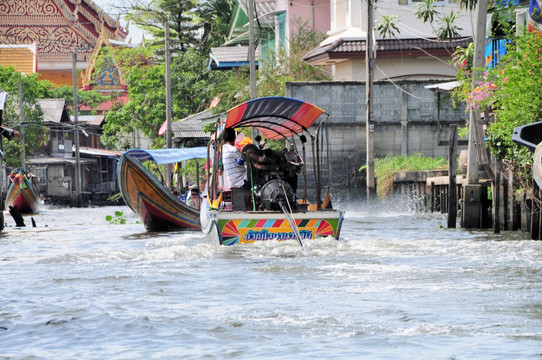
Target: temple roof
x,y
58,27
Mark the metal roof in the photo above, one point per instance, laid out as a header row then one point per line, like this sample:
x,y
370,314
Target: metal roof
x,y
443,87
192,127
227,57
95,120
97,152
54,110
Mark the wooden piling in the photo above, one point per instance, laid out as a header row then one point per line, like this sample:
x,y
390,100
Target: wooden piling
x,y
452,173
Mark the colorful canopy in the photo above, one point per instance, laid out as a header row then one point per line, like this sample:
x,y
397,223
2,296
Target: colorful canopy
x,y
275,117
168,156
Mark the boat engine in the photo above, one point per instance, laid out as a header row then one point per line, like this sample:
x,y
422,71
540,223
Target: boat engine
x,y
276,194
273,175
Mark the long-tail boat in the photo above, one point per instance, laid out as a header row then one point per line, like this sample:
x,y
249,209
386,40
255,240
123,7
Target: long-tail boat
x,y
23,192
158,208
268,206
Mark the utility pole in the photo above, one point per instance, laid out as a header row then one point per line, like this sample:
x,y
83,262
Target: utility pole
x,y
251,49
76,132
472,191
252,56
168,107
477,64
21,119
369,116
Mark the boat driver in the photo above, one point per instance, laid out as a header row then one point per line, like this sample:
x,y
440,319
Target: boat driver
x,y
234,168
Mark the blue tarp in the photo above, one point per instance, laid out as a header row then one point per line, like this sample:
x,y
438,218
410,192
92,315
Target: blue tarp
x,y
168,156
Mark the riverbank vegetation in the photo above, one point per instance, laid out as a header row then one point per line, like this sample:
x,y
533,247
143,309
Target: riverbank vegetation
x,y
509,93
386,167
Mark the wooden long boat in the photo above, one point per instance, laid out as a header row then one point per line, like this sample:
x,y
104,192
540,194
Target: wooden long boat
x,y
158,208
22,192
268,206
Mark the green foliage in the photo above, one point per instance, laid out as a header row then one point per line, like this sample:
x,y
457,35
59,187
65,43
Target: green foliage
x,y
447,29
426,11
517,99
90,98
386,167
146,108
387,26
462,59
118,218
34,133
214,18
115,198
190,170
193,25
193,86
511,92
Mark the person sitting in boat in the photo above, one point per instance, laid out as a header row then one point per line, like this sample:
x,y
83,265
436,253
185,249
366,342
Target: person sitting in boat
x,y
232,162
195,198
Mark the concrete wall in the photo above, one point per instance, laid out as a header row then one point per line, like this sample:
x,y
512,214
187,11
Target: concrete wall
x,y
405,116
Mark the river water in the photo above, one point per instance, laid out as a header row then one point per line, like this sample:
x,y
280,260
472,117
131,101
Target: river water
x,y
397,285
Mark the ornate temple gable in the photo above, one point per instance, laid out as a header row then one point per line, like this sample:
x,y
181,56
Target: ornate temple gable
x,y
30,11
110,78
57,26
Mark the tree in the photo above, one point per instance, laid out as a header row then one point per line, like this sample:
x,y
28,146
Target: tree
x,y
146,108
192,24
193,88
214,17
89,98
32,114
388,26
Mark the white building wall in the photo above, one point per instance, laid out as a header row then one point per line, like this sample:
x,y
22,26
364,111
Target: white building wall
x,y
353,13
419,68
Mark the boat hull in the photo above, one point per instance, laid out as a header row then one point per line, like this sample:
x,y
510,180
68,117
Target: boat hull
x,y
21,195
157,207
238,227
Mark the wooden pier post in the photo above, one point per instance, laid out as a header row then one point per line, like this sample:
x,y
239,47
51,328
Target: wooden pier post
x,y
497,198
452,173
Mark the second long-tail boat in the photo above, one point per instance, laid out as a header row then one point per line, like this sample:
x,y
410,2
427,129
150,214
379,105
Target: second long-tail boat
x,y
23,192
158,208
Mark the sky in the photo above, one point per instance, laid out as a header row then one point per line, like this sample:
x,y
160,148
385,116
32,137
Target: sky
x,y
135,33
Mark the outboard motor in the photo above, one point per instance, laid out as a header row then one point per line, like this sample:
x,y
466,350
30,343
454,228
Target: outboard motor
x,y
273,175
276,194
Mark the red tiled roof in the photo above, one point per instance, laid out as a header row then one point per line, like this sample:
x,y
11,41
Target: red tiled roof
x,y
107,104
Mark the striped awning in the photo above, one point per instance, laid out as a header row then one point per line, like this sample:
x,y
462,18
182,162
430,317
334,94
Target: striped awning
x,y
275,117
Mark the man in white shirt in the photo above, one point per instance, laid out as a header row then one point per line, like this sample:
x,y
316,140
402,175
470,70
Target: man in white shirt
x,y
234,168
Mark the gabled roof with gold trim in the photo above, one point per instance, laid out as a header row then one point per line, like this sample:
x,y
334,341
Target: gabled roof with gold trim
x,y
57,26
117,77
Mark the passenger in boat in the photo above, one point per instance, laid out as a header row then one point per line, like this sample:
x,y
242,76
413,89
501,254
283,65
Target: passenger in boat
x,y
195,198
233,163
